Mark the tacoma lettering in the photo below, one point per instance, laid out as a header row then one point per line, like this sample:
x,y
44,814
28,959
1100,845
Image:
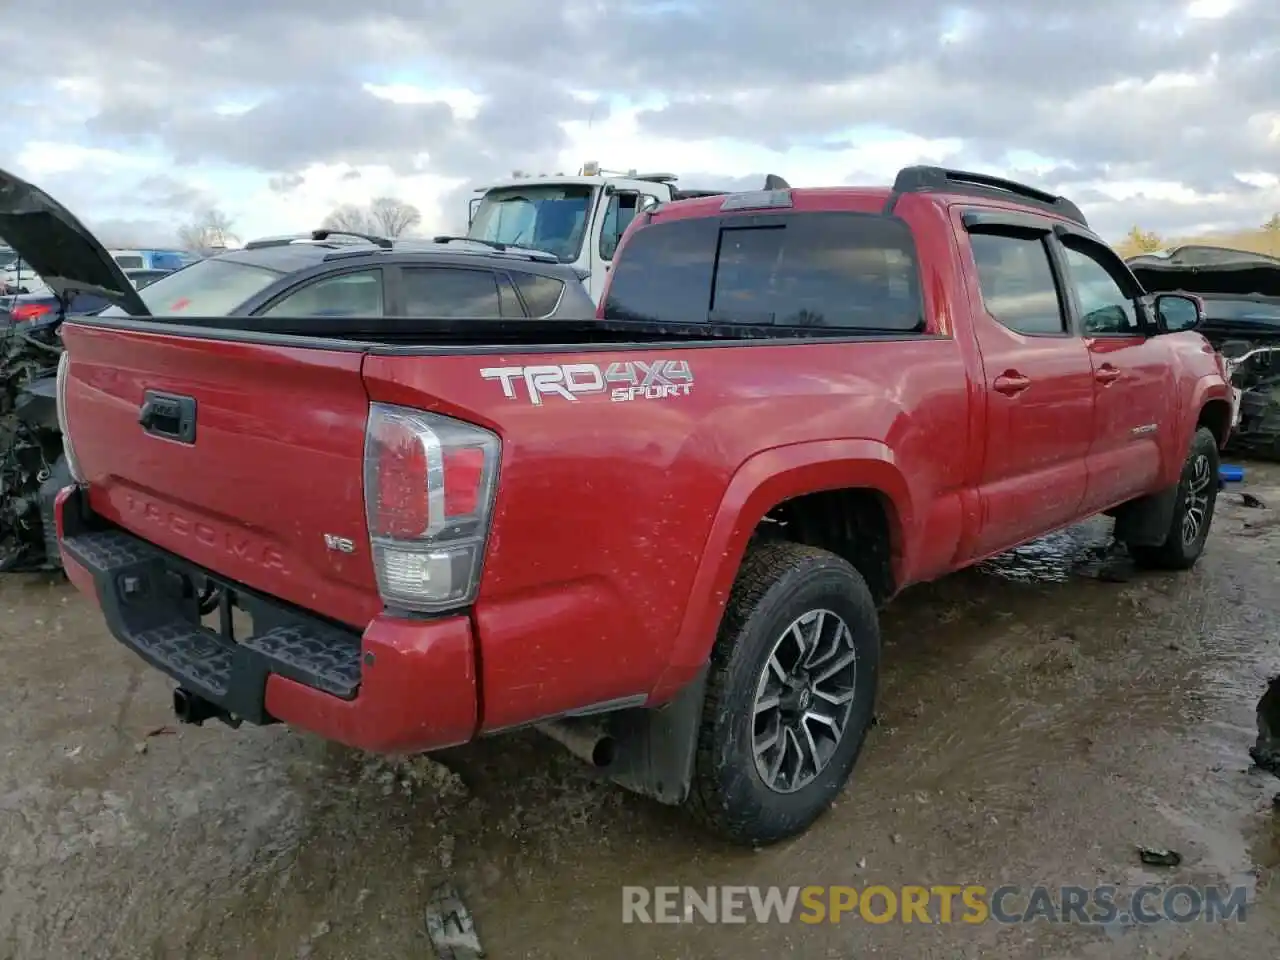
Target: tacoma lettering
x,y
623,380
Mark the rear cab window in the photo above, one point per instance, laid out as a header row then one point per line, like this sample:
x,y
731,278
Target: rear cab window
x,y
829,271
1015,277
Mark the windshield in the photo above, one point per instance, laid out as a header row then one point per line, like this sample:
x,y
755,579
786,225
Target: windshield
x,y
549,217
1242,311
207,288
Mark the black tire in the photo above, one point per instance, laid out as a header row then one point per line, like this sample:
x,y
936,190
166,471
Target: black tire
x,y
1179,551
779,584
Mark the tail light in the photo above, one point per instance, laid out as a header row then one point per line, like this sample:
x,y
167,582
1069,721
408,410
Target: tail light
x,y
429,483
64,366
29,311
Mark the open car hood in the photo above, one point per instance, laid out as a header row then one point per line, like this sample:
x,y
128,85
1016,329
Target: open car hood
x,y
1240,290
59,248
1208,270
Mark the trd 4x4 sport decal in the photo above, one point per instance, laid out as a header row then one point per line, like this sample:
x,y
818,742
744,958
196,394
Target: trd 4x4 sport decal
x,y
630,380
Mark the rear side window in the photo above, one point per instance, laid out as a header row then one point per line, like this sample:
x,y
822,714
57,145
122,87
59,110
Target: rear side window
x,y
346,295
541,294
829,270
451,294
129,262
1017,283
207,288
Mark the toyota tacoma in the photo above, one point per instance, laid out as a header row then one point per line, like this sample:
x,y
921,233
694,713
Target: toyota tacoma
x,y
662,534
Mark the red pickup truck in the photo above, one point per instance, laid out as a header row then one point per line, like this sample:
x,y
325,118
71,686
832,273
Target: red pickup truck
x,y
662,535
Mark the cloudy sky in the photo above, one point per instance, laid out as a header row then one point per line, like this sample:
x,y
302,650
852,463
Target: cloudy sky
x,y
1155,112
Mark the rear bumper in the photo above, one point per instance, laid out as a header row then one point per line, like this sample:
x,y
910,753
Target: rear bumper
x,y
401,686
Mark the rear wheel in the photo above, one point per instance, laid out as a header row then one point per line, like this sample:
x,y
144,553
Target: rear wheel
x,y
790,695
1192,512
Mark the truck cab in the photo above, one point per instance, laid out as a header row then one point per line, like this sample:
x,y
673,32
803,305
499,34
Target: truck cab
x,y
578,218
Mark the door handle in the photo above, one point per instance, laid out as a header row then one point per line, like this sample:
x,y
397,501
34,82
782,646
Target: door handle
x,y
1010,382
1106,374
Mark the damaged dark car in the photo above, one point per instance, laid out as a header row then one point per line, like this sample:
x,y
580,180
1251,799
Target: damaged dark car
x,y
1241,295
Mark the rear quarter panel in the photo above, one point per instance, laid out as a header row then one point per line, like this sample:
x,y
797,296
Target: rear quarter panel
x,y
619,525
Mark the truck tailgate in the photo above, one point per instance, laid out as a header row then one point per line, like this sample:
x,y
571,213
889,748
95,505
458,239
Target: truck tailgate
x,y
271,476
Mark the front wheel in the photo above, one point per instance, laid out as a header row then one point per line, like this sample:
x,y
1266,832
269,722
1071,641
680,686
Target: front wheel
x,y
790,694
1192,512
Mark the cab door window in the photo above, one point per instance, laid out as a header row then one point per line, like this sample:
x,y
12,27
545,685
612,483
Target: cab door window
x,y
1105,308
1017,285
618,215
357,294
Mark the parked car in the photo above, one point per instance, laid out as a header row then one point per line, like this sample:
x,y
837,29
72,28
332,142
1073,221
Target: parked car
x,y
373,279
16,276
1241,295
329,274
33,306
151,259
661,535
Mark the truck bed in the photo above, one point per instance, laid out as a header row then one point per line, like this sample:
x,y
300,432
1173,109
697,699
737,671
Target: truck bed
x,y
576,596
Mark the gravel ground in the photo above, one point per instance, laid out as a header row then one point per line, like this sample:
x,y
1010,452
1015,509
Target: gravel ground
x,y
1039,721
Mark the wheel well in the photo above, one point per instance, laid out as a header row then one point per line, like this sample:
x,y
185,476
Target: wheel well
x,y
854,524
1216,415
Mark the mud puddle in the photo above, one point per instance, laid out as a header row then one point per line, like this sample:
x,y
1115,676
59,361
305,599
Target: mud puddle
x,y
1037,724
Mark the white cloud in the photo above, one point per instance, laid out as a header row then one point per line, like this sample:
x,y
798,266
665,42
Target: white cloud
x,y
464,103
267,107
43,158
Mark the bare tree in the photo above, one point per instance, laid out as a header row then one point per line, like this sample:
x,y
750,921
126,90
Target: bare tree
x,y
394,217
210,230
349,217
384,217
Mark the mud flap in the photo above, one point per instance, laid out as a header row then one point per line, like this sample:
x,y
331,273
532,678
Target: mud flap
x,y
656,748
1145,522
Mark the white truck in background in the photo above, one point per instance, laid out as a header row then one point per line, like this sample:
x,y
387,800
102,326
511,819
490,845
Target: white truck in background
x,y
579,219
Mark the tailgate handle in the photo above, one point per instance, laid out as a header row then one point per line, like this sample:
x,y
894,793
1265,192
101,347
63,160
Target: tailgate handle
x,y
168,415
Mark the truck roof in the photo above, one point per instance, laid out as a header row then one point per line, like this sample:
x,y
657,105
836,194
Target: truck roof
x,y
942,185
628,183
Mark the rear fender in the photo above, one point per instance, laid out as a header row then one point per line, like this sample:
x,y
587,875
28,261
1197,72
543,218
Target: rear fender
x,y
761,483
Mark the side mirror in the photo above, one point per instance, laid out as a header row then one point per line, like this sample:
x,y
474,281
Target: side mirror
x,y
1179,312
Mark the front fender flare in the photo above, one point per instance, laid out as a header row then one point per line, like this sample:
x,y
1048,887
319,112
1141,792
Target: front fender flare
x,y
759,484
1211,387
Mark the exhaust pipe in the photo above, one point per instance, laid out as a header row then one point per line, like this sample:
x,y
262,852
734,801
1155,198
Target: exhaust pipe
x,y
193,709
585,740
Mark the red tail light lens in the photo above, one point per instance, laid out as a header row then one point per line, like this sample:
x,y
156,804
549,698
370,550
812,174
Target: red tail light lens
x,y
402,510
29,311
463,481
429,488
